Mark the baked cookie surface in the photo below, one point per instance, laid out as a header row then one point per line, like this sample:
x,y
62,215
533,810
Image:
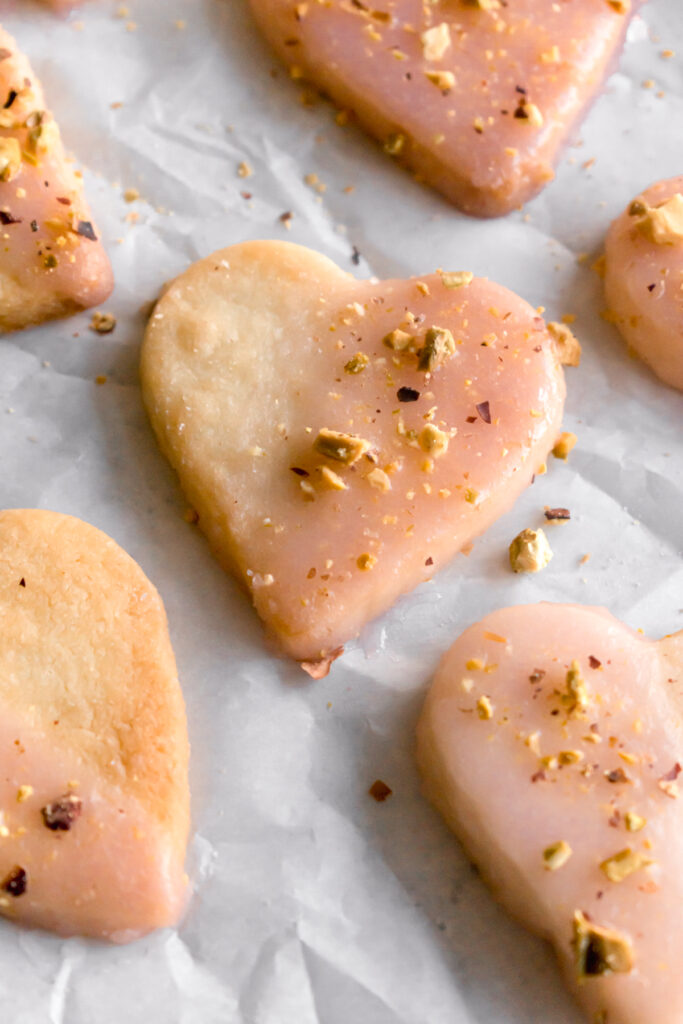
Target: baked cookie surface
x,y
93,738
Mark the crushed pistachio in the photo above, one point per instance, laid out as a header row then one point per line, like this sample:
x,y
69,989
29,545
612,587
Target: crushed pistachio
x,y
379,479
436,41
346,448
444,80
484,707
433,440
570,756
471,496
634,822
398,340
625,863
530,551
439,345
10,159
365,562
662,224
357,363
599,951
394,143
564,445
567,345
43,133
556,855
331,480
576,692
457,278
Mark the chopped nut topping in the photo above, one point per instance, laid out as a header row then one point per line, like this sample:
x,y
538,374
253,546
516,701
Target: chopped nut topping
x,y
331,480
567,345
662,224
484,708
439,345
620,6
379,791
529,113
599,951
43,134
625,863
398,340
564,445
365,562
530,551
23,793
244,170
457,278
102,323
379,479
10,159
570,757
61,814
634,822
433,440
444,80
16,882
394,143
556,855
346,448
435,41
557,515
357,363
576,692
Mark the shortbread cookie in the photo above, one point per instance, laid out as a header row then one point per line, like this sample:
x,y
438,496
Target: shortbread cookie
x,y
477,97
644,278
551,743
341,440
51,261
93,741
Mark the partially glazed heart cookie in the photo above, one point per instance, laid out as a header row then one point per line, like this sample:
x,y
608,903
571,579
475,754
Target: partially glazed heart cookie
x,y
552,742
475,96
341,440
94,801
644,277
52,262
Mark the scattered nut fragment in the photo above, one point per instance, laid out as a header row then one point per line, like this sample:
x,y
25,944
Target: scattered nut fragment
x,y
10,159
662,224
576,692
394,143
331,480
61,814
346,448
379,479
379,791
564,445
483,5
436,41
23,793
398,340
244,170
599,951
634,822
102,323
529,113
357,363
556,855
365,562
457,278
530,551
557,515
444,80
42,136
439,345
484,708
16,882
620,6
432,440
625,863
567,345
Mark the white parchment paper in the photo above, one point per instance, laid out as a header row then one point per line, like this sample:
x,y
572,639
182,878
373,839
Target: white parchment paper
x,y
314,904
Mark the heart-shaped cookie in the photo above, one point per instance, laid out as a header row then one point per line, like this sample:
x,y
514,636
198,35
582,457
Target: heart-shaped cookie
x,y
477,97
51,261
341,440
551,741
94,803
644,278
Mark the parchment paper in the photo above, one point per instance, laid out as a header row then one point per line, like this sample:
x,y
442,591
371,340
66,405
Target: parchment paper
x,y
314,904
